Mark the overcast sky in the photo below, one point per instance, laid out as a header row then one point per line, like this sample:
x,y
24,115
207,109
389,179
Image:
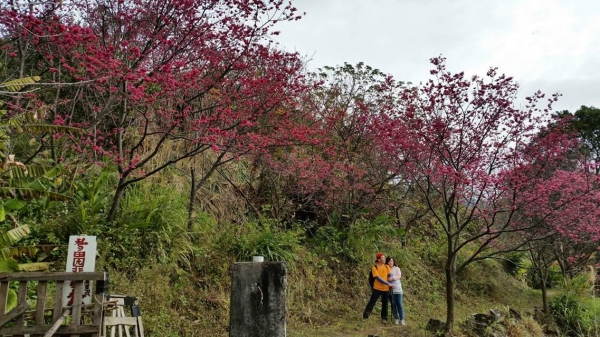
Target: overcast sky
x,y
551,45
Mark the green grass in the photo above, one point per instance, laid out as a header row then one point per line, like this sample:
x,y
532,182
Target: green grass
x,y
506,292
327,286
324,298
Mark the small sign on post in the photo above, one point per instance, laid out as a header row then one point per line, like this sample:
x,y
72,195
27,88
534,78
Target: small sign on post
x,y
80,258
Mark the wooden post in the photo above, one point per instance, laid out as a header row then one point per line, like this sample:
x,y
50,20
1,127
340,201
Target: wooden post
x,y
58,300
76,308
3,297
257,305
21,297
40,307
57,324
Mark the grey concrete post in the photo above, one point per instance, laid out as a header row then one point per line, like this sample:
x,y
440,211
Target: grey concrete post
x,y
257,307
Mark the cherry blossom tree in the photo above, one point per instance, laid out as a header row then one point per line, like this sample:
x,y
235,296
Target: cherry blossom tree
x,y
346,177
567,207
474,157
159,81
345,100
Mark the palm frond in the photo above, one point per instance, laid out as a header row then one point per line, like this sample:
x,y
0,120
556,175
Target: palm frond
x,y
10,237
33,171
29,251
8,266
29,193
19,83
11,300
34,266
50,128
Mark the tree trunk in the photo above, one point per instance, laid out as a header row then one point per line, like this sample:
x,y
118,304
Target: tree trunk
x,y
450,283
116,203
544,273
545,304
540,265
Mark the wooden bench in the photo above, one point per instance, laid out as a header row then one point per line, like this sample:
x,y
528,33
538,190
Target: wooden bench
x,y
116,321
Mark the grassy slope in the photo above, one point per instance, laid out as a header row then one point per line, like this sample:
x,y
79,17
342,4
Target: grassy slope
x,y
326,296
484,286
189,296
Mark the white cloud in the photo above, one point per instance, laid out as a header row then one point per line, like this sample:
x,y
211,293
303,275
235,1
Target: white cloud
x,y
544,44
544,40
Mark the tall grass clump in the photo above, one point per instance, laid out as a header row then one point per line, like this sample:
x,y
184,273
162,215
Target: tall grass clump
x,y
268,240
151,227
571,315
576,311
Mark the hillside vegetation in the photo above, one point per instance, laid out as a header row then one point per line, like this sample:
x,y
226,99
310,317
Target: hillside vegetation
x,y
181,135
186,293
182,278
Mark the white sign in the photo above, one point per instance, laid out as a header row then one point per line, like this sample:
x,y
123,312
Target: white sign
x,y
81,258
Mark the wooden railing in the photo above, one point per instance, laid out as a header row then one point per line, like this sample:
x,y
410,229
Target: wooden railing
x,y
79,319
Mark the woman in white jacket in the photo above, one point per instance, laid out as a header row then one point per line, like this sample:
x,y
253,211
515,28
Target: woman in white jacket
x,y
396,293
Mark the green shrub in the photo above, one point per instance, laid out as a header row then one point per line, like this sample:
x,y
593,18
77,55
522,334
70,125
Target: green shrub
x,y
514,263
266,240
151,227
575,316
353,244
554,280
578,285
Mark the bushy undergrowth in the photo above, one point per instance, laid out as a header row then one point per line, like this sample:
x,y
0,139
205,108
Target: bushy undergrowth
x,y
274,244
325,283
152,224
182,275
576,316
507,325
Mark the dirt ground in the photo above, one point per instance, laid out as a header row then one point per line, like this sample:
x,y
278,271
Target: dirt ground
x,y
372,326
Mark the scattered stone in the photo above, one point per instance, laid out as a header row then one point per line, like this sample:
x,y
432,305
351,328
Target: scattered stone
x,y
538,315
487,320
496,314
514,314
488,325
436,326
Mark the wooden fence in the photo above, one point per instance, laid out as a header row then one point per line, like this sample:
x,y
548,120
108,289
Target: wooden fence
x,y
58,318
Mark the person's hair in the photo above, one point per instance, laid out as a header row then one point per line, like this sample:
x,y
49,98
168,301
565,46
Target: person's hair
x,y
387,260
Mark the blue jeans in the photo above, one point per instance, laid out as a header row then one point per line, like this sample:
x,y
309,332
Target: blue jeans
x,y
384,304
397,309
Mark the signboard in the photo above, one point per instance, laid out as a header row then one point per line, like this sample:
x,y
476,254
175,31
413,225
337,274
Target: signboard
x,y
80,258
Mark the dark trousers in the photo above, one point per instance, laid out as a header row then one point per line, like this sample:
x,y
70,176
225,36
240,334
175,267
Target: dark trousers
x,y
384,304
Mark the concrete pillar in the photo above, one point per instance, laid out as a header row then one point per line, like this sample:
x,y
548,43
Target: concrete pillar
x,y
257,307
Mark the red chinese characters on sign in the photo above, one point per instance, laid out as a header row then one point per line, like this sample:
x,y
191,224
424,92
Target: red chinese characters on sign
x,y
79,255
81,250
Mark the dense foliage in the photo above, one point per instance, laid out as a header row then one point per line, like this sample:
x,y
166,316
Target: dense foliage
x,y
180,134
